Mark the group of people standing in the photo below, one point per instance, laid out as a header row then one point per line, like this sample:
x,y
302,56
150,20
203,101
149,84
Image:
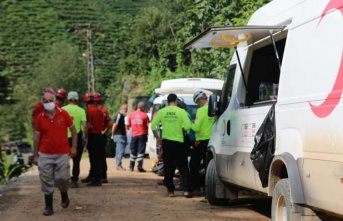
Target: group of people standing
x,y
176,126
62,132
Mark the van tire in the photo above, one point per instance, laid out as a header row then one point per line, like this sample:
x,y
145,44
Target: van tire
x,y
211,185
282,206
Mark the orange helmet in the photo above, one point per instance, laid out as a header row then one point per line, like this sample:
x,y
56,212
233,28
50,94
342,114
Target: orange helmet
x,y
97,97
87,97
61,93
48,90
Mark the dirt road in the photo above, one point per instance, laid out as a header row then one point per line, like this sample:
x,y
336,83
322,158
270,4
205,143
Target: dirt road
x,y
128,196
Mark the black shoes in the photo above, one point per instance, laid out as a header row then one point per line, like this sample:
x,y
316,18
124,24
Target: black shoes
x,y
65,199
48,210
141,170
74,184
104,180
94,183
187,194
86,180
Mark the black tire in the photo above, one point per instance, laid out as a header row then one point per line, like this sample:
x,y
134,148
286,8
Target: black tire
x,y
211,181
282,204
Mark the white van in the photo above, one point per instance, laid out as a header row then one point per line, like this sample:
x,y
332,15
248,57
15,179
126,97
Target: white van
x,y
289,55
184,88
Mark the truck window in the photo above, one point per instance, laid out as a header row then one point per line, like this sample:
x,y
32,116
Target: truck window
x,y
264,74
227,87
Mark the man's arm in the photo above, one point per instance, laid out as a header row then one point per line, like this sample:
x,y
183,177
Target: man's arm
x,y
73,150
114,129
197,122
36,147
85,134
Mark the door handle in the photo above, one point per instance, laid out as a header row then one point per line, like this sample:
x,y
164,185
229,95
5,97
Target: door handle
x,y
228,128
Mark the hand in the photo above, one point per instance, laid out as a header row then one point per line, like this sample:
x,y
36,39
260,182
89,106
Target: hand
x,y
84,141
73,152
35,160
159,142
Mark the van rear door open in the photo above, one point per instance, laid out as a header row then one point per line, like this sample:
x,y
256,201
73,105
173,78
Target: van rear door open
x,y
232,36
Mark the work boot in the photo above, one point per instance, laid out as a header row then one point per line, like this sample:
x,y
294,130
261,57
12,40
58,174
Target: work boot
x,y
74,184
86,180
65,199
140,166
48,211
132,165
104,180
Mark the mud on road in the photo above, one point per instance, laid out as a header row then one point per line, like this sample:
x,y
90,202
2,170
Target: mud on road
x,y
129,196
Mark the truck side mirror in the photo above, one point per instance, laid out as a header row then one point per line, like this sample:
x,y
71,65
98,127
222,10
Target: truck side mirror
x,y
213,105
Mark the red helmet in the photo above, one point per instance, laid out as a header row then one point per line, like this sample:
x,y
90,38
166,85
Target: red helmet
x,y
97,97
48,90
87,97
61,93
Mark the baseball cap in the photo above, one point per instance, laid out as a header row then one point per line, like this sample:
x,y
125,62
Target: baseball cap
x,y
73,95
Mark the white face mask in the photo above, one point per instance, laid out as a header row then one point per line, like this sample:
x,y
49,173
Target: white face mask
x,y
49,106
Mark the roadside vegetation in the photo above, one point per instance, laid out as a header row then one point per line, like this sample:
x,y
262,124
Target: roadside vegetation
x,y
136,44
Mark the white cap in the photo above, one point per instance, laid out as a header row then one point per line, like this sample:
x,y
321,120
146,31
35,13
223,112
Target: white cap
x,y
73,95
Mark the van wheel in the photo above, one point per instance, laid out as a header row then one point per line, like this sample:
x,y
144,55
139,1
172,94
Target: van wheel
x,y
211,185
281,203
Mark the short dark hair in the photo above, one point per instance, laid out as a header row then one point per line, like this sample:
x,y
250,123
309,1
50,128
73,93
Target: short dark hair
x,y
171,98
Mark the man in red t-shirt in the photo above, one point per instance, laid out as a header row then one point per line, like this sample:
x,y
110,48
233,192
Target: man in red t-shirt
x,y
51,151
105,127
39,106
95,143
61,95
138,121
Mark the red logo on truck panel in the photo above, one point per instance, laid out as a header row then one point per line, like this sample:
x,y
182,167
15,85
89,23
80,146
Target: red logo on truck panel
x,y
333,97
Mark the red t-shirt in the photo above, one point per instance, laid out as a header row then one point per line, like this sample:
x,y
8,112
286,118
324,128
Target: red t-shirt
x,y
105,115
54,132
138,121
37,110
95,119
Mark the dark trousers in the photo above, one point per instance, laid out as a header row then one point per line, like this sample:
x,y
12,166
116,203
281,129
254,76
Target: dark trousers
x,y
174,155
198,154
77,158
137,150
104,163
96,152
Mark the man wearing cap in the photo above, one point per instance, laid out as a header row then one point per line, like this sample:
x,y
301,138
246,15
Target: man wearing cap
x,y
80,122
202,127
138,121
52,151
174,121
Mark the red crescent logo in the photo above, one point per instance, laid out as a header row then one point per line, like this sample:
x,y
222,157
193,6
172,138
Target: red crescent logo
x,y
334,96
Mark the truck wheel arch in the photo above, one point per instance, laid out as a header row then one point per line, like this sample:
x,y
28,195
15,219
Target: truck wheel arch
x,y
285,166
210,154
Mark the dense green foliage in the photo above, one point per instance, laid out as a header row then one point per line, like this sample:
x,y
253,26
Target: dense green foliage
x,y
136,44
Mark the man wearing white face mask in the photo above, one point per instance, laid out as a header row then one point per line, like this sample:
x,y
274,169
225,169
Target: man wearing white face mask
x,y
51,151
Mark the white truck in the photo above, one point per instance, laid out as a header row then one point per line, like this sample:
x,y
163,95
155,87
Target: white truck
x,y
184,88
288,68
